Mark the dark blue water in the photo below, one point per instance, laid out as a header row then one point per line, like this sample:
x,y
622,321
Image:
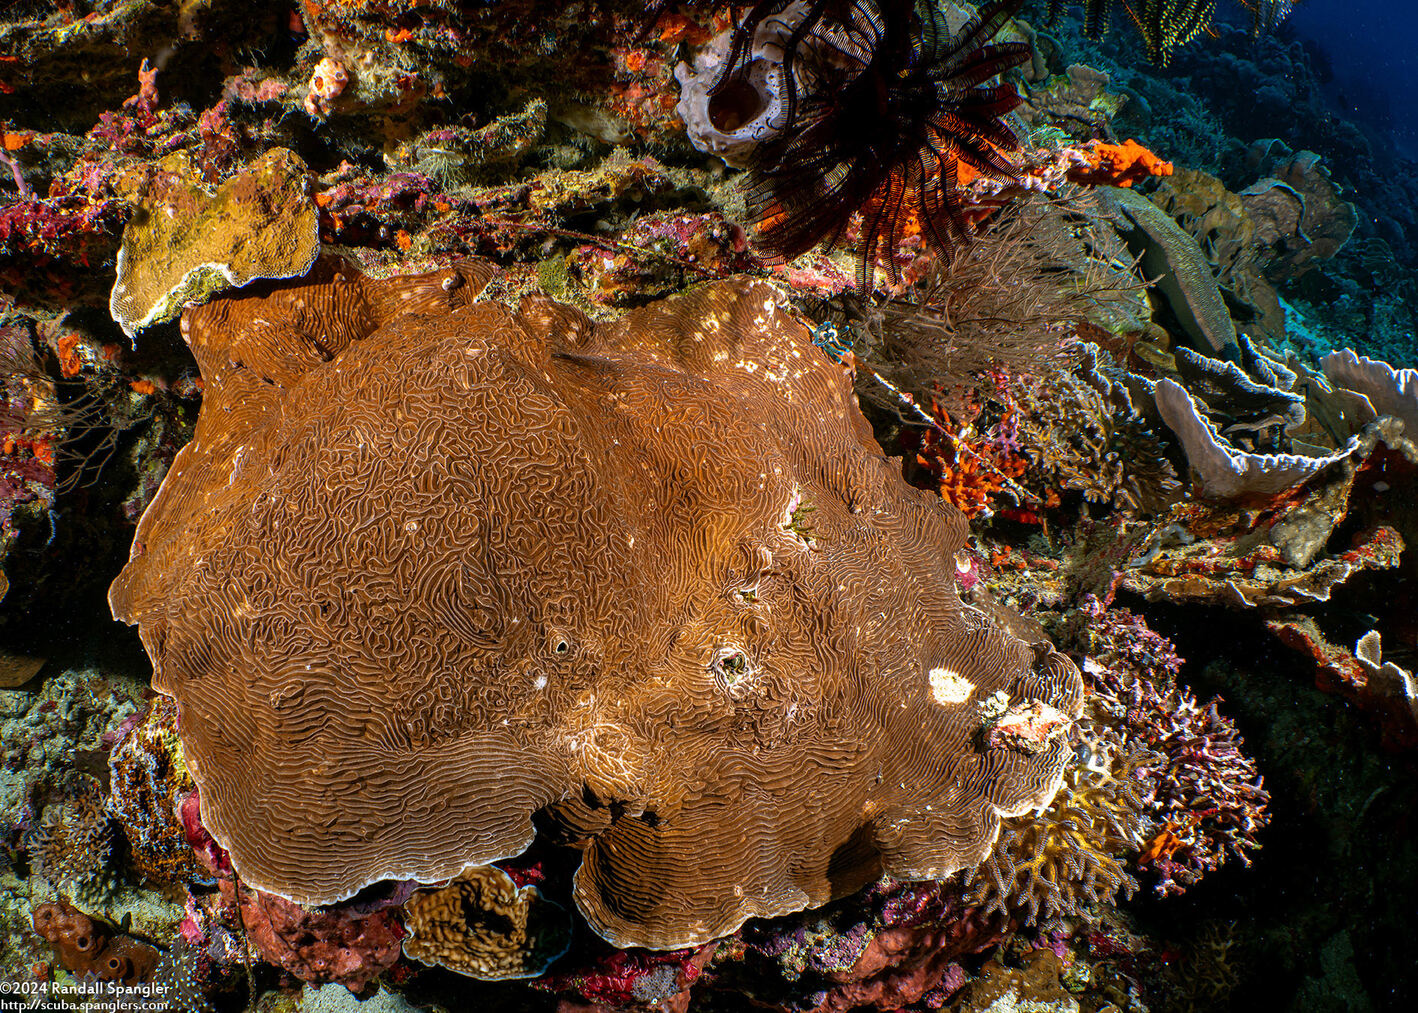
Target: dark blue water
x,y
1370,47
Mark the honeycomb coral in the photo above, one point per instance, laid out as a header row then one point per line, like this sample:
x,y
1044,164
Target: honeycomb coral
x,y
429,567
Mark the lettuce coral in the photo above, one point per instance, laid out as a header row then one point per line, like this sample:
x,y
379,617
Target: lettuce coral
x,y
429,568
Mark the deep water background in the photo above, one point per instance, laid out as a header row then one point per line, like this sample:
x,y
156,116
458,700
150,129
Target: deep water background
x,y
1370,47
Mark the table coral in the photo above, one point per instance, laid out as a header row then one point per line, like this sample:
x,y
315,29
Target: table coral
x,y
1340,670
495,490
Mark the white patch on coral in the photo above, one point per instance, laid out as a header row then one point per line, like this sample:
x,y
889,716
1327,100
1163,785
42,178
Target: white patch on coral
x,y
949,686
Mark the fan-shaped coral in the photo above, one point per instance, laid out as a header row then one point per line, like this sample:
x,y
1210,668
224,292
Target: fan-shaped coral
x,y
428,567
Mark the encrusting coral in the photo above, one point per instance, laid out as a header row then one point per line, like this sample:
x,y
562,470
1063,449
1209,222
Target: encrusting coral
x,y
483,925
147,783
653,577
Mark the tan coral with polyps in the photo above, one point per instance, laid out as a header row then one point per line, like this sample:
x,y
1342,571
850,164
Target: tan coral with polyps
x,y
429,567
484,926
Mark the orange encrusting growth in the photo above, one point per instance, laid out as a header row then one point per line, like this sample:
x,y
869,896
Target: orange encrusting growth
x,y
1118,165
968,473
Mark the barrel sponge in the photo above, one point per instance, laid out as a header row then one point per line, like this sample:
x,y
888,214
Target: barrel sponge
x,y
430,566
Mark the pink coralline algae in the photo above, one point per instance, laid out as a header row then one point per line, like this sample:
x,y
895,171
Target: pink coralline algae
x,y
894,945
630,979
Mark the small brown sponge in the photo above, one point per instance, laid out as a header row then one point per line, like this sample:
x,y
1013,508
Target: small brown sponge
x,y
89,950
429,567
483,926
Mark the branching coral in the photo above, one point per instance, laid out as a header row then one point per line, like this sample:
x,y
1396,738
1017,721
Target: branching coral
x,y
886,113
1210,797
1206,799
1070,856
1086,440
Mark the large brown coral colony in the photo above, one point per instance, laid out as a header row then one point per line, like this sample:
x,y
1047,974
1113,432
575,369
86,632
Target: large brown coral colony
x,y
429,566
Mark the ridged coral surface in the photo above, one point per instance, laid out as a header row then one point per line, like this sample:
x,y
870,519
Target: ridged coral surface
x,y
429,566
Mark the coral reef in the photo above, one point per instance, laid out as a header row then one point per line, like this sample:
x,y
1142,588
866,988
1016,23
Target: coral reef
x,y
622,590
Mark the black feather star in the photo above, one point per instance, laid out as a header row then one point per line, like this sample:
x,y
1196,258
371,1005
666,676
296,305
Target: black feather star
x,y
884,107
